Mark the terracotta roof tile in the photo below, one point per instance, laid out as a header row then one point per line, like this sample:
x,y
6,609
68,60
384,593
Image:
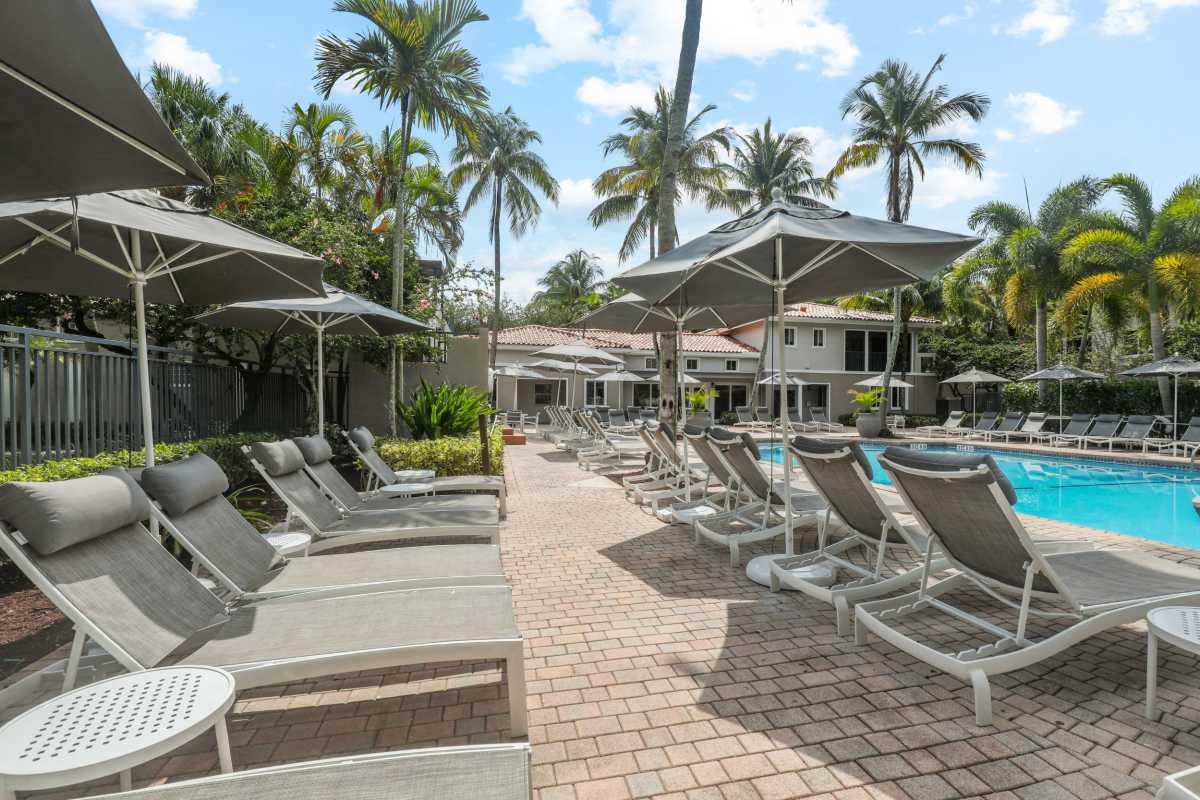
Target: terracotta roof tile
x,y
832,312
546,336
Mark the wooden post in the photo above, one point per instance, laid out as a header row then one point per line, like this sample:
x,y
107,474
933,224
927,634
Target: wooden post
x,y
485,451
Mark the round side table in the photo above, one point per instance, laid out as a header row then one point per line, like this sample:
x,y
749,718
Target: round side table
x,y
410,475
112,726
406,489
1177,625
289,543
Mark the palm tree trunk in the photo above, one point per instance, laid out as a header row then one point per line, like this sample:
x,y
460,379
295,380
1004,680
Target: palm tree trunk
x,y
1085,337
496,195
895,214
1039,345
1157,343
395,364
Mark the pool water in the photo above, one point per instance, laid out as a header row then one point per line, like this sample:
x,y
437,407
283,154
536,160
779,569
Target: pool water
x,y
1149,502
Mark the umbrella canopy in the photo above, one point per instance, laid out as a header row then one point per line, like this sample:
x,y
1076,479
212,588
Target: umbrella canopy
x,y
338,311
73,120
975,377
632,313
580,352
1172,366
621,376
876,381
791,380
1062,372
688,380
553,365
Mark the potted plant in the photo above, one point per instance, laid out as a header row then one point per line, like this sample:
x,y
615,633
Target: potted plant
x,y
697,401
866,418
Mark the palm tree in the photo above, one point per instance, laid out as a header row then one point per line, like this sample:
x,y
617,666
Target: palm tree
x,y
765,160
631,189
1138,254
276,160
433,216
572,281
410,57
900,117
381,167
325,137
500,165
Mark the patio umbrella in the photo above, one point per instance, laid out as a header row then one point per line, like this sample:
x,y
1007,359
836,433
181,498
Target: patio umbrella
x,y
554,365
578,352
876,382
1062,372
799,252
160,250
975,377
1173,366
516,372
72,119
688,380
621,377
338,312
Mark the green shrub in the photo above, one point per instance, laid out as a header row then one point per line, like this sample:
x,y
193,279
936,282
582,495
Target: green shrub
x,y
443,410
225,450
729,418
449,455
1116,396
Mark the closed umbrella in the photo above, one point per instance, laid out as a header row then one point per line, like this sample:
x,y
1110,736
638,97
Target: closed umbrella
x,y
73,120
1062,372
975,377
578,352
1174,366
338,312
166,252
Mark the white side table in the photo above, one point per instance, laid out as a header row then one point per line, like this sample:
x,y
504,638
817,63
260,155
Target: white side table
x,y
288,543
1177,625
113,726
406,489
410,475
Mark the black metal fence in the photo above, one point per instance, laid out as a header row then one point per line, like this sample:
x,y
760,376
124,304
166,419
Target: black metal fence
x,y
63,396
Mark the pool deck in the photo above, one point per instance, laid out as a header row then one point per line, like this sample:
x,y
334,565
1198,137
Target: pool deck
x,y
656,671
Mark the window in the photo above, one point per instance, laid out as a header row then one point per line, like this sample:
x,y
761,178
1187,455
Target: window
x,y
904,353
651,363
789,337
645,395
731,365
867,351
543,394
856,351
877,344
899,400
594,393
818,337
927,362
691,364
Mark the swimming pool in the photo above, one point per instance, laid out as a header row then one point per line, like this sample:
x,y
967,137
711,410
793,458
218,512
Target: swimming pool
x,y
1149,502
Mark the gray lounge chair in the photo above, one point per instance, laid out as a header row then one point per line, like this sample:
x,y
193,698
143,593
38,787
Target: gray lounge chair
x,y
193,509
281,465
1030,430
1072,434
986,422
762,415
1135,432
819,416
745,416
1189,442
968,512
720,491
82,543
1010,422
362,442
1104,429
953,422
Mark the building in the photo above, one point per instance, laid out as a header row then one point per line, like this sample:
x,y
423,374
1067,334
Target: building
x,y
828,347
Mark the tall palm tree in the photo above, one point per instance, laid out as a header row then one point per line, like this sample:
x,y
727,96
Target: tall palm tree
x,y
501,166
411,57
433,216
381,168
630,190
900,118
766,160
570,282
1138,254
325,137
276,160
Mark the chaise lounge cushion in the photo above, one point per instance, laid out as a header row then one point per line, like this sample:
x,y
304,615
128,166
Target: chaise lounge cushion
x,y
918,459
54,515
278,458
363,439
182,485
315,448
807,444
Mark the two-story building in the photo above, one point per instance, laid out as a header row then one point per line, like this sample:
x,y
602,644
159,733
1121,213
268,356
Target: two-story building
x,y
828,347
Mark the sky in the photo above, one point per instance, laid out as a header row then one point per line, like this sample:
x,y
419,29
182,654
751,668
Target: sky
x,y
1077,87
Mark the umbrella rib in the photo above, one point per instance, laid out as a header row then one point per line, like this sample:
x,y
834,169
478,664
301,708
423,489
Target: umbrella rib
x,y
92,118
124,249
65,245
819,260
163,256
368,325
897,267
167,262
35,241
742,268
281,272
168,270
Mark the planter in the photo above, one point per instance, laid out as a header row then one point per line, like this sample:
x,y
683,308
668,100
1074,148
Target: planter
x,y
701,420
868,425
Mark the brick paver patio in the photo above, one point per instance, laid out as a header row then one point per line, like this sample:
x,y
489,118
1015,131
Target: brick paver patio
x,y
657,671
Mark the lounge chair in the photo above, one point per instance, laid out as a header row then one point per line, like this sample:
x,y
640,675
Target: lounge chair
x,y
1189,442
659,464
1029,431
987,420
1072,433
953,422
762,415
362,442
1135,432
1104,429
82,543
609,445
193,509
1009,423
720,491
683,480
969,516
841,474
480,772
745,416
281,465
819,416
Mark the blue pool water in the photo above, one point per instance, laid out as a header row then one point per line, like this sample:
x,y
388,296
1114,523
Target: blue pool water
x,y
1149,502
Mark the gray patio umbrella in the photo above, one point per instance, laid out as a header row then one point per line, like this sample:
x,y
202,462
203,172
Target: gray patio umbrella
x,y
798,252
72,119
516,372
621,377
876,381
975,377
157,249
338,312
578,352
1062,372
1173,366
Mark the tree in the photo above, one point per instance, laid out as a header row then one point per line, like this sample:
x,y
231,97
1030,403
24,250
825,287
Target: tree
x,y
572,281
325,139
766,160
630,190
410,57
501,167
1138,254
901,117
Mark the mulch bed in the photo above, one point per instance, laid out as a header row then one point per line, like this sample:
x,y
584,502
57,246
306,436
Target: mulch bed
x,y
30,625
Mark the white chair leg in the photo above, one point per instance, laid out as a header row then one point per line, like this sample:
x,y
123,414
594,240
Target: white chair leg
x,y
224,755
515,673
860,630
1151,675
503,502
983,697
71,673
735,556
842,609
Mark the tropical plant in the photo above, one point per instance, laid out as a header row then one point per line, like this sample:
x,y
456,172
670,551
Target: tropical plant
x,y
500,165
443,410
765,161
325,138
630,190
250,501
410,57
1140,255
572,281
866,401
901,121
697,399
276,161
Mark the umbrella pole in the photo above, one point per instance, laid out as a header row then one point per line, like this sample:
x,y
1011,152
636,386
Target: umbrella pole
x,y
1060,404
515,386
143,358
687,470
320,377
784,429
1175,409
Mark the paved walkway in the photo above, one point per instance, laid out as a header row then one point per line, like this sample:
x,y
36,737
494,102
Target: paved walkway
x,y
656,670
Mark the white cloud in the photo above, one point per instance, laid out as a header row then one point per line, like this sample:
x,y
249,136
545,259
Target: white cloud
x,y
1004,134
1050,19
826,146
1040,115
1134,17
171,49
614,98
946,20
945,185
642,39
745,91
134,12
576,193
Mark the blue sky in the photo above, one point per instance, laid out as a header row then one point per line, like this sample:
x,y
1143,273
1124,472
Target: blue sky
x,y
1077,86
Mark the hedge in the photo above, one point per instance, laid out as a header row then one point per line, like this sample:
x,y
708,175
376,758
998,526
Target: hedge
x,y
225,450
1116,396
449,455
